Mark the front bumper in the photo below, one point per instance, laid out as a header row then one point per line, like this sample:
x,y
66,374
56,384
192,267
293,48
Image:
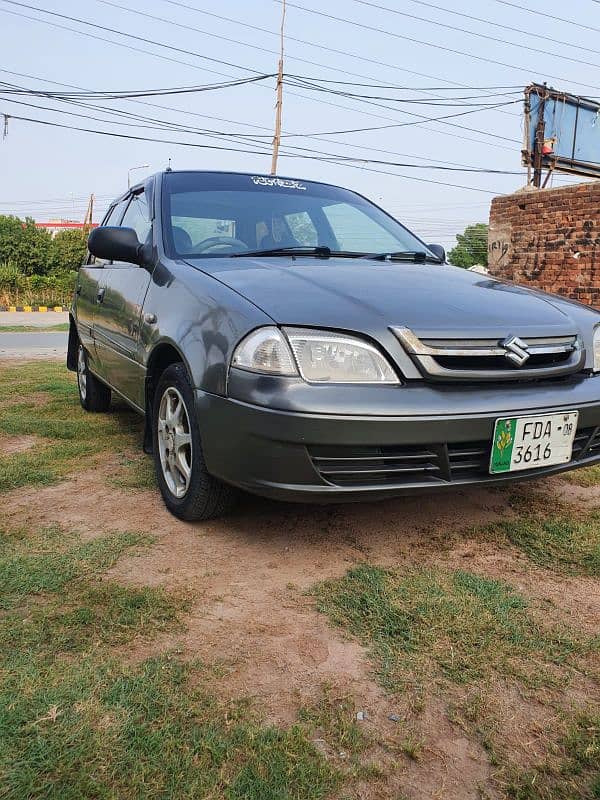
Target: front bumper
x,y
442,441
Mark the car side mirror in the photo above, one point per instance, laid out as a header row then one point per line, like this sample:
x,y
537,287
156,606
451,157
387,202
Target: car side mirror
x,y
438,251
115,244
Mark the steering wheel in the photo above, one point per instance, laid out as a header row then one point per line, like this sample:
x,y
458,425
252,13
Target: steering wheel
x,y
219,241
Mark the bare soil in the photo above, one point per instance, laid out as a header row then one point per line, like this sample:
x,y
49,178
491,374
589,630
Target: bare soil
x,y
11,445
248,575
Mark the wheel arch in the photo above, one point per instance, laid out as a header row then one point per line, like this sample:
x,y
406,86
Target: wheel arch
x,y
163,354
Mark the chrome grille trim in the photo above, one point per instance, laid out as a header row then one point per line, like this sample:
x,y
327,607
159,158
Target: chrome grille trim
x,y
566,353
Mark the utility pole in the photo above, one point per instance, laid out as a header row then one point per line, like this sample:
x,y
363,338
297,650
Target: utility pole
x,y
539,141
89,214
279,102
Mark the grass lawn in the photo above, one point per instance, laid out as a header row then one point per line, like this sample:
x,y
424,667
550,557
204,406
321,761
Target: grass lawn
x,y
431,630
41,400
61,326
94,705
76,721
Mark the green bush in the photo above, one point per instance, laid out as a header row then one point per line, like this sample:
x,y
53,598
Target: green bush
x,y
10,277
17,289
33,251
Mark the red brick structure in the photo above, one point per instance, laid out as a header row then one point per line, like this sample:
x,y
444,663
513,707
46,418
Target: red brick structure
x,y
550,239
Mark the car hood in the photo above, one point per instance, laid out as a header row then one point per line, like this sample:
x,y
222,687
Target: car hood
x,y
363,295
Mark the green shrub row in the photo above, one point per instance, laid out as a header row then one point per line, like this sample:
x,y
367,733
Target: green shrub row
x,y
33,251
17,289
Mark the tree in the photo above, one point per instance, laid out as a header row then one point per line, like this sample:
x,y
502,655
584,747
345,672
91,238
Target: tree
x,y
69,248
25,246
471,247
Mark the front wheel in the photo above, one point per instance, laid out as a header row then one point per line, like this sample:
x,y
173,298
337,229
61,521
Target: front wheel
x,y
93,394
189,491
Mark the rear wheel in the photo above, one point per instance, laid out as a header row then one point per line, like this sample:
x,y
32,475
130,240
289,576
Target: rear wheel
x,y
93,394
189,491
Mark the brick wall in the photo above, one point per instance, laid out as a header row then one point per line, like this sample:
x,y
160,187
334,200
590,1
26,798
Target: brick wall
x,y
550,239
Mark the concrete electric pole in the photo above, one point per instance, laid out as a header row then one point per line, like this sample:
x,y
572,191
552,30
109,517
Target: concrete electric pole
x,y
279,103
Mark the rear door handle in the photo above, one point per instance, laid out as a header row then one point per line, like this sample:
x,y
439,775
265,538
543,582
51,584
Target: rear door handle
x,y
100,295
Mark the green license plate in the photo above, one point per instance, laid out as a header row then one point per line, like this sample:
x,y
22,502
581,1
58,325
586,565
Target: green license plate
x,y
533,441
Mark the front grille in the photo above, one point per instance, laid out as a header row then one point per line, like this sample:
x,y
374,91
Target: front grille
x,y
420,465
511,358
376,466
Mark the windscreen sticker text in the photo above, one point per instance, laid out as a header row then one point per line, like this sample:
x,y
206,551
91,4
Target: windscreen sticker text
x,y
283,183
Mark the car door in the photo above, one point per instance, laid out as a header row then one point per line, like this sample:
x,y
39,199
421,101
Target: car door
x,y
89,281
119,308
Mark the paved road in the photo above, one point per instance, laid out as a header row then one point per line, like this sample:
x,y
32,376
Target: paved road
x,y
47,344
33,319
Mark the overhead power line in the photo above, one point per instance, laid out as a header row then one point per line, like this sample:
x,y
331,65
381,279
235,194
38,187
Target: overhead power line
x,y
167,125
144,39
131,94
319,155
253,152
438,102
529,33
130,47
242,136
403,124
548,16
187,27
477,34
491,91
320,46
424,43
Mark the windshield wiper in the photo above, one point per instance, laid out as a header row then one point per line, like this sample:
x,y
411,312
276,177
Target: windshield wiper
x,y
320,251
414,256
298,250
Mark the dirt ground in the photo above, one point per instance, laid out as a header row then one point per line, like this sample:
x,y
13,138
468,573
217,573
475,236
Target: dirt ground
x,y
248,575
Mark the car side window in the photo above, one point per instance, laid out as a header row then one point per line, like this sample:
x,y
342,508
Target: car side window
x,y
137,217
111,218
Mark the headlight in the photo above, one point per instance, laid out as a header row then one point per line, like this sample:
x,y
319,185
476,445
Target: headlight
x,y
329,357
265,350
318,356
597,349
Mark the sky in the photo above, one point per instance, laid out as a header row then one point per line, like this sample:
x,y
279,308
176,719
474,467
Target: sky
x,y
360,47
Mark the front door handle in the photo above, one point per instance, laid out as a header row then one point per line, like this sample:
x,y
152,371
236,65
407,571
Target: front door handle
x,y
100,295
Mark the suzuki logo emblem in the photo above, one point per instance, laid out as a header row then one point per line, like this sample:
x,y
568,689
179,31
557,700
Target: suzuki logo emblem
x,y
516,350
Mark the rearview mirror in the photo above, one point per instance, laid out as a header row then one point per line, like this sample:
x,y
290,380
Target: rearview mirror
x,y
115,244
438,251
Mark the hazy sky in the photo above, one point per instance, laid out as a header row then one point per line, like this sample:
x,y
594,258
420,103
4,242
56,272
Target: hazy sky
x,y
49,172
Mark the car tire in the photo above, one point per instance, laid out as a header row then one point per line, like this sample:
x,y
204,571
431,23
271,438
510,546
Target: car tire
x,y
93,394
188,489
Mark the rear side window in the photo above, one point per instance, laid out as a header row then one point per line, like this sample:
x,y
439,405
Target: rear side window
x,y
112,218
114,215
137,217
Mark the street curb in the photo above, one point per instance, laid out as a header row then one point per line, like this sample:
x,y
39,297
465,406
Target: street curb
x,y
34,309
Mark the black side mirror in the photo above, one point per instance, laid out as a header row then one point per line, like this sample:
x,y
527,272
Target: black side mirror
x,y
115,244
438,251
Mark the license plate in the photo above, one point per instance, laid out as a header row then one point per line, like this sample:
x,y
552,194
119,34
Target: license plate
x,y
534,441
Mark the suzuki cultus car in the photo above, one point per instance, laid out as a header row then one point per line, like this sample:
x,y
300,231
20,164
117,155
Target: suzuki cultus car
x,y
292,339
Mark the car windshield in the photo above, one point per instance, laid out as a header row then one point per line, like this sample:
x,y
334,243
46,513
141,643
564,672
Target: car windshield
x,y
221,215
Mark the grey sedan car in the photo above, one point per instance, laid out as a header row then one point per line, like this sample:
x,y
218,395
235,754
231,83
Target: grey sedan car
x,y
292,339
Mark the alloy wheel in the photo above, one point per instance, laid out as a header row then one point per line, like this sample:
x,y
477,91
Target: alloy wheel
x,y
82,373
174,442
